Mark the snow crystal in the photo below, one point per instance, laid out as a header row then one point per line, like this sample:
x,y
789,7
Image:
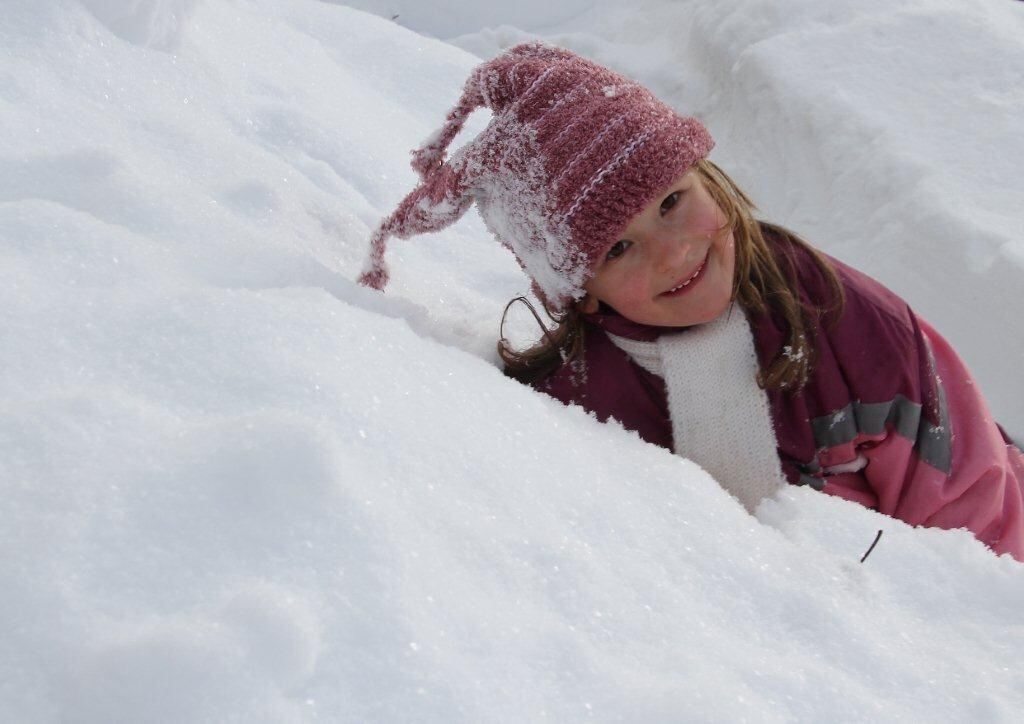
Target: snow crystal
x,y
791,354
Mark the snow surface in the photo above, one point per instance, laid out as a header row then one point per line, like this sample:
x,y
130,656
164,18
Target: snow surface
x,y
234,485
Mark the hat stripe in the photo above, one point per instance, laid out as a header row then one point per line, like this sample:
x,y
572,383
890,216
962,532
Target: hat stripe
x,y
559,103
533,86
595,181
557,140
482,79
594,143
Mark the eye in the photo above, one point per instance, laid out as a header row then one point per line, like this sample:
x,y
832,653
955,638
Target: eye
x,y
618,249
670,201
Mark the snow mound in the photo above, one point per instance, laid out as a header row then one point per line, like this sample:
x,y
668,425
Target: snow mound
x,y
234,485
157,24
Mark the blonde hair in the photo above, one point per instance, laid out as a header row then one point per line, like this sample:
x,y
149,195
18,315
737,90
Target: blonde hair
x,y
760,285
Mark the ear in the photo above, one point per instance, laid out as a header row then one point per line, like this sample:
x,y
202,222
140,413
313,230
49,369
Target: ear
x,y
588,305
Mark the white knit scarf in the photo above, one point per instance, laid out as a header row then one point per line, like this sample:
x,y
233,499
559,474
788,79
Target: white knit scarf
x,y
720,417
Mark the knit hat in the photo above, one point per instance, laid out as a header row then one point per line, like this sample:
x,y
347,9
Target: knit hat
x,y
572,152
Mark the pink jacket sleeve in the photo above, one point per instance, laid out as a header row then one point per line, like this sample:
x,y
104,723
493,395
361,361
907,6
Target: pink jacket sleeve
x,y
942,463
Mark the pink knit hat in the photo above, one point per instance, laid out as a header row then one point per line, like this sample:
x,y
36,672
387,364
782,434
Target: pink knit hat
x,y
573,151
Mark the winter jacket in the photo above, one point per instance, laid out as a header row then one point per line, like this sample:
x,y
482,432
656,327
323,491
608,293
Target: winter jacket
x,y
890,417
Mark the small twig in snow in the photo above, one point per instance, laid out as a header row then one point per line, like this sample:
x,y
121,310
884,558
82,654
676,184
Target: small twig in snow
x,y
873,544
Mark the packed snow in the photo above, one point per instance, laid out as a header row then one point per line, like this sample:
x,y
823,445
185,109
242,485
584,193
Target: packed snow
x,y
236,486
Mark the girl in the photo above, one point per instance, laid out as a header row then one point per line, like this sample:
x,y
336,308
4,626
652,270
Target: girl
x,y
725,339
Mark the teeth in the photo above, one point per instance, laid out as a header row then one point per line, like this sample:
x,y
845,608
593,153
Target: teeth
x,y
675,289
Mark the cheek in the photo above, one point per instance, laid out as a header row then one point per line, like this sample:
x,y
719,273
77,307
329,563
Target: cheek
x,y
704,217
627,283
632,289
727,249
729,262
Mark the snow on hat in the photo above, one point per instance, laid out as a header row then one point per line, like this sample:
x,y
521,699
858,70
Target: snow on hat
x,y
572,152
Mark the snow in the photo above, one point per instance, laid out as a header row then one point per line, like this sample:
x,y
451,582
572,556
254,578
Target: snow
x,y
234,485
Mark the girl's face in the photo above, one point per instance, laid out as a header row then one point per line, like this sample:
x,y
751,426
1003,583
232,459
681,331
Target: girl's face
x,y
673,266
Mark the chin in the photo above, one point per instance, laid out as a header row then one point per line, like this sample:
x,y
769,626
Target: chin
x,y
714,311
724,305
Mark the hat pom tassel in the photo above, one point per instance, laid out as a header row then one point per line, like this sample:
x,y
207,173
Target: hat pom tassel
x,y
374,278
375,273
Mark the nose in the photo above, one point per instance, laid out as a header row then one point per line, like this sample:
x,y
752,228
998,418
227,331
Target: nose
x,y
670,251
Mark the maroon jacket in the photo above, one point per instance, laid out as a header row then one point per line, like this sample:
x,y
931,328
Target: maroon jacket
x,y
889,417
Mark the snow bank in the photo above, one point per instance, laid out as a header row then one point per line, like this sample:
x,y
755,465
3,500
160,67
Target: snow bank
x,y
156,24
233,485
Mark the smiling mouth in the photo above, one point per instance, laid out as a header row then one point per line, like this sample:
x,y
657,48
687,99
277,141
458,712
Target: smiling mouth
x,y
685,285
